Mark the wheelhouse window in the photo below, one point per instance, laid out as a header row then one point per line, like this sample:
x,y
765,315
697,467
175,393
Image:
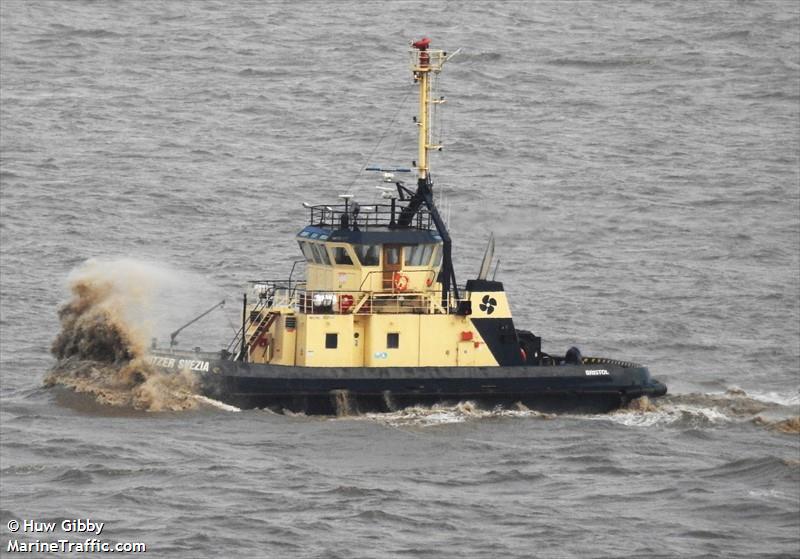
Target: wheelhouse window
x,y
341,256
323,252
307,252
418,255
368,255
426,255
331,341
320,254
437,260
392,340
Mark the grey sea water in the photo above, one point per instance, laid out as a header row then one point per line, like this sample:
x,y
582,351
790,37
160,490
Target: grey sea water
x,y
638,163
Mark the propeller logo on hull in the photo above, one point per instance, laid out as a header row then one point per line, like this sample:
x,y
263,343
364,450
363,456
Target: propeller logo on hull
x,y
488,304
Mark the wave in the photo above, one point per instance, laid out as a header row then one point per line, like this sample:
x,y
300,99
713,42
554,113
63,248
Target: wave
x,y
254,72
693,410
512,475
790,426
620,62
132,384
725,35
480,56
756,468
216,403
643,412
442,414
776,398
74,476
98,350
697,410
67,31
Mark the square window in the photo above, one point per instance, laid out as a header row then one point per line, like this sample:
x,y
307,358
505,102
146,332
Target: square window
x,y
340,256
393,340
331,341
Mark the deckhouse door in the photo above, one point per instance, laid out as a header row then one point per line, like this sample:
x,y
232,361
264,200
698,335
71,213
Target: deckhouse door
x,y
392,263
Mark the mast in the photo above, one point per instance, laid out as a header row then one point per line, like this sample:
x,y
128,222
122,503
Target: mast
x,y
424,63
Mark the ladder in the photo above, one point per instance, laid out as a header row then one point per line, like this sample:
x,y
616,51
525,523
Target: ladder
x,y
235,346
263,326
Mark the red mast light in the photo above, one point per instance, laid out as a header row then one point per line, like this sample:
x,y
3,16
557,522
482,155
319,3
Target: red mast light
x,y
422,44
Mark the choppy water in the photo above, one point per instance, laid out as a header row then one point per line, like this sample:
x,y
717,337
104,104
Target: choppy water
x,y
638,164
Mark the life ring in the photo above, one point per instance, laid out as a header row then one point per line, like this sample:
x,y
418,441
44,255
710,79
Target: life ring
x,y
400,282
262,342
345,302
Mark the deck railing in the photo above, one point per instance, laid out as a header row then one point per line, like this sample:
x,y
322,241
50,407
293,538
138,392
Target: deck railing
x,y
294,295
366,217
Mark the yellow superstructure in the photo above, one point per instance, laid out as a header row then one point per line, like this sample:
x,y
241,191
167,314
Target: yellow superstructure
x,y
351,315
379,288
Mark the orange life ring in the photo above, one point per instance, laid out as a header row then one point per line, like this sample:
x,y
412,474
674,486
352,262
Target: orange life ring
x,y
400,282
345,302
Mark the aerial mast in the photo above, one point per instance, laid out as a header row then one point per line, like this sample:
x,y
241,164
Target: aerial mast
x,y
424,64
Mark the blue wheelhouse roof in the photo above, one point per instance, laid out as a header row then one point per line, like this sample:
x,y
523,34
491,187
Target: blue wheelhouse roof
x,y
371,237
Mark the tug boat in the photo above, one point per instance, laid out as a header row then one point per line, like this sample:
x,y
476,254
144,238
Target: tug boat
x,y
379,322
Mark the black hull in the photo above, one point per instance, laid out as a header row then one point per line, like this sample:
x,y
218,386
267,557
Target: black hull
x,y
330,390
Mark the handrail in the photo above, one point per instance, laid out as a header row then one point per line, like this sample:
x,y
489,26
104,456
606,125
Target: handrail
x,y
367,302
426,272
242,331
428,59
277,294
374,215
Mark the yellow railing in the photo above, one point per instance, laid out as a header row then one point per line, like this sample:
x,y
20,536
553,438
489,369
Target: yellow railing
x,y
422,60
400,281
361,302
368,302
